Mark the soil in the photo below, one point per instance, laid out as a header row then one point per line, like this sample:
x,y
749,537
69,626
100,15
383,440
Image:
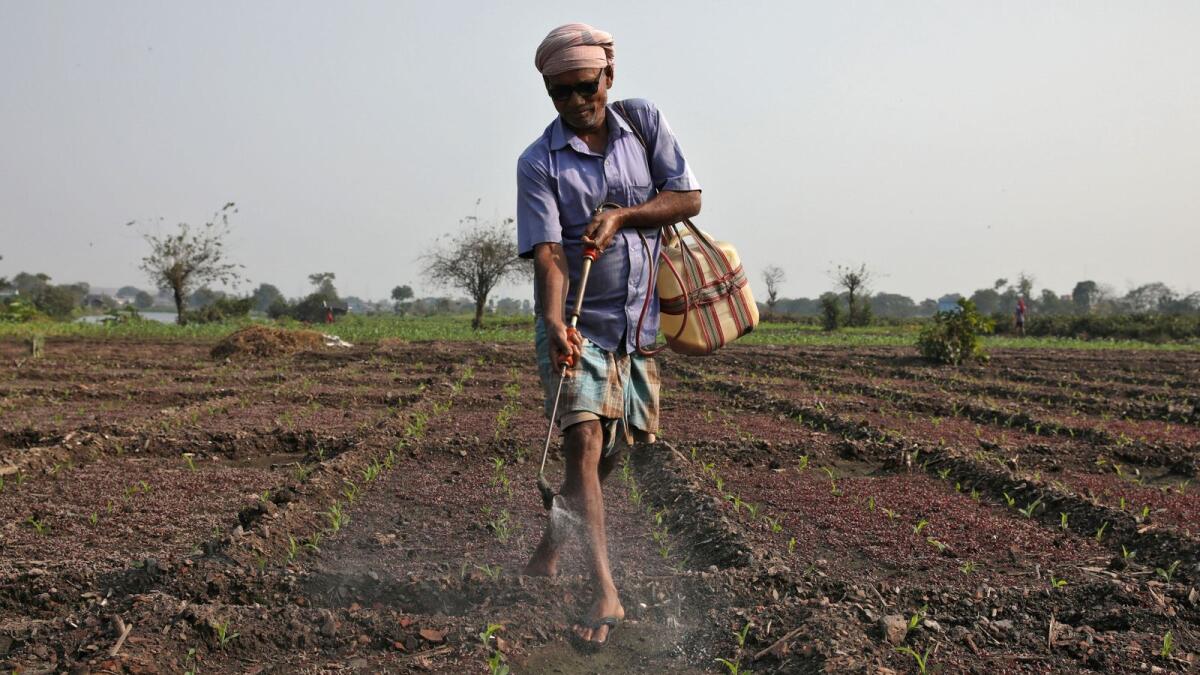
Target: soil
x,y
295,508
259,340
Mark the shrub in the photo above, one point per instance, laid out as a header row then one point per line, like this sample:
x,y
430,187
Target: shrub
x,y
831,312
221,309
953,337
13,310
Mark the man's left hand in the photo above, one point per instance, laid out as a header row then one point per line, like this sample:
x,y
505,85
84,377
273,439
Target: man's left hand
x,y
603,228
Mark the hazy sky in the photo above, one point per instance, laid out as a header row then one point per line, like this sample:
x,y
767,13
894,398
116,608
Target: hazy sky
x,y
945,144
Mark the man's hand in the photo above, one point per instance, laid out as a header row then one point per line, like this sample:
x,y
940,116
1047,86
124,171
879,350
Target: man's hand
x,y
603,228
562,343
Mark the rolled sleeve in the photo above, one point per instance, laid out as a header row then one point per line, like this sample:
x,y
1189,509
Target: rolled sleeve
x,y
537,208
668,168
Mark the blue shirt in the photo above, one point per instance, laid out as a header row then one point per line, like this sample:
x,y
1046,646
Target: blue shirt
x,y
560,182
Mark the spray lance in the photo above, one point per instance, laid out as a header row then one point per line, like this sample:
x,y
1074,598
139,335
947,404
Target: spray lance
x,y
590,254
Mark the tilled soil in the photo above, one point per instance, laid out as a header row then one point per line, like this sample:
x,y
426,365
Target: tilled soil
x,y
370,509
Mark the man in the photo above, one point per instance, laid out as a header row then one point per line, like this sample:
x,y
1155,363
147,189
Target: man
x,y
590,156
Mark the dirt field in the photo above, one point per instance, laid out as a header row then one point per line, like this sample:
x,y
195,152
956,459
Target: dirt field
x,y
811,510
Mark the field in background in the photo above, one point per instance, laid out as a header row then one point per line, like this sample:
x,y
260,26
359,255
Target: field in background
x,y
520,329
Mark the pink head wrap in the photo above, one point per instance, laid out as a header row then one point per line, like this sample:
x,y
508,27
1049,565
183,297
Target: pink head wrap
x,y
572,47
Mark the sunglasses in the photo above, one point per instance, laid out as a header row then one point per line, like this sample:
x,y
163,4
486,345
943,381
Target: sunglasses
x,y
562,92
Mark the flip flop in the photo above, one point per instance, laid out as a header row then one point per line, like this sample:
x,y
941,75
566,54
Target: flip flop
x,y
610,621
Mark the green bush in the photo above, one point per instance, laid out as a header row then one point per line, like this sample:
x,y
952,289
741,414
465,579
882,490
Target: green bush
x,y
220,310
13,310
953,337
1147,327
831,312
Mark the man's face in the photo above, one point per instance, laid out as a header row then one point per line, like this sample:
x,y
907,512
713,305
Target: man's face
x,y
579,112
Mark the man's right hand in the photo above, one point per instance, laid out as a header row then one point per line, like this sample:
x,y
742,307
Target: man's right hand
x,y
564,342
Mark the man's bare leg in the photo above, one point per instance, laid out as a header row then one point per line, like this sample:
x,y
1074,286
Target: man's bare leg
x,y
544,561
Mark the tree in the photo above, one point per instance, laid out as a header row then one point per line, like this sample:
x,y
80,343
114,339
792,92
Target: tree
x,y
30,284
265,296
1085,296
773,276
187,258
402,293
1150,297
476,260
855,281
323,281
57,301
1025,285
831,312
143,300
128,292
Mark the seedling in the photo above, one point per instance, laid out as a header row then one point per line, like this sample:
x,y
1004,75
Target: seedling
x,y
1145,512
936,544
1028,510
492,571
1126,554
734,667
975,494
224,637
1100,532
774,524
803,463
1121,501
1168,645
313,542
1009,500
890,514
350,492
920,526
870,503
944,473
915,619
1062,519
39,526
968,567
187,460
93,519
371,471
293,548
337,517
501,526
1165,574
791,546
753,509
1057,583
740,635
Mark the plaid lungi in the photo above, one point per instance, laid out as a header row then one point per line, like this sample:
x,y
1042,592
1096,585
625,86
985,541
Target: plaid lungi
x,y
605,386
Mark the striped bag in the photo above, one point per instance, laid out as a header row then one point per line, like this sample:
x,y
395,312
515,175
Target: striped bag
x,y
705,302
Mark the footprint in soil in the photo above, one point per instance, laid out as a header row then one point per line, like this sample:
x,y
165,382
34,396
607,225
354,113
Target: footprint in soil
x,y
633,647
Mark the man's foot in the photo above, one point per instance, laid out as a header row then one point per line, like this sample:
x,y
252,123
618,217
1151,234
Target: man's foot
x,y
544,563
605,614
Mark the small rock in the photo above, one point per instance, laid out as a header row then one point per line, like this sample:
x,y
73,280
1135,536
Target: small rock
x,y
932,625
894,628
1003,624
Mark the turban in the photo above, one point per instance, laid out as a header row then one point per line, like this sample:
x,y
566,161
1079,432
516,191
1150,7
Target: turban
x,y
572,47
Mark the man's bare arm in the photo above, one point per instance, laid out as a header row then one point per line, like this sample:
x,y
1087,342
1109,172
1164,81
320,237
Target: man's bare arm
x,y
550,275
665,208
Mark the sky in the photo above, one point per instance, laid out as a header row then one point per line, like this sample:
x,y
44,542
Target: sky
x,y
943,144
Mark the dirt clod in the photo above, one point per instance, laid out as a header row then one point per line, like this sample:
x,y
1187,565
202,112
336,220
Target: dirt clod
x,y
894,628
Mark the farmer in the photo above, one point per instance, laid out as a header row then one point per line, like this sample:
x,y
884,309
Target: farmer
x,y
589,156
1021,315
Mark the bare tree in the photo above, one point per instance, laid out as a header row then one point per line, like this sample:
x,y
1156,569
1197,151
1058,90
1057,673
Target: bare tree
x,y
773,276
855,281
476,260
188,259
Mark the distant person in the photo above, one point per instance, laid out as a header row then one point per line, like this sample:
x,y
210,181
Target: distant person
x,y
589,156
1021,316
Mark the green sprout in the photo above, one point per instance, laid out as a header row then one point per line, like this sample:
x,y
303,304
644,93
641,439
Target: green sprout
x,y
1168,645
1062,519
791,545
1009,500
293,548
1100,532
920,526
921,660
968,567
39,526
1126,554
187,460
224,637
93,519
1057,583
337,517
1028,510
915,619
1167,574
